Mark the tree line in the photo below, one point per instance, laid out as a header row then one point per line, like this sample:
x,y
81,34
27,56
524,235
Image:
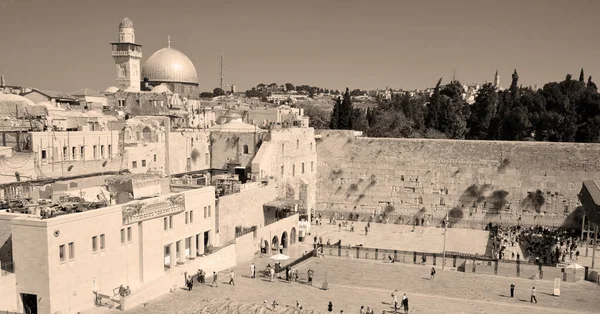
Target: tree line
x,y
566,111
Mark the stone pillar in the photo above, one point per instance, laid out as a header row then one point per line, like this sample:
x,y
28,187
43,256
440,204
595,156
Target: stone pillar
x,y
518,268
193,246
172,252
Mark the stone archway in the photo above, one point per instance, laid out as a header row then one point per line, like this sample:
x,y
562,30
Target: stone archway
x,y
264,246
293,236
275,244
284,240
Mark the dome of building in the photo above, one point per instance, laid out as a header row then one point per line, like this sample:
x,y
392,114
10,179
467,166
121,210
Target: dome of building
x,y
8,99
161,89
111,90
126,23
170,65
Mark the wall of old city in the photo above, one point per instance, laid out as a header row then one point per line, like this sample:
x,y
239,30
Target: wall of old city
x,y
482,177
188,151
243,209
234,148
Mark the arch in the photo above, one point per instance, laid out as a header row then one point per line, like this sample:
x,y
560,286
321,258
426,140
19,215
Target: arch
x,y
147,134
293,236
284,240
275,244
264,245
245,149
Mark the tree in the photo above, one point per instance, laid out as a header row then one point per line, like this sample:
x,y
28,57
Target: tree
x,y
207,95
335,115
591,84
218,91
482,112
434,107
581,76
289,87
345,112
319,117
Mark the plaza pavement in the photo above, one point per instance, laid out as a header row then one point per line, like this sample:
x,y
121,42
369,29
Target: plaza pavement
x,y
353,282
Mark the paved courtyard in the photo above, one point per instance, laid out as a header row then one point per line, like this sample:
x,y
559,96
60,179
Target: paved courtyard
x,y
353,283
401,237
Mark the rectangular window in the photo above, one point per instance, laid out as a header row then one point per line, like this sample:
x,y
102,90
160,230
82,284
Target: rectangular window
x,y
187,218
302,167
128,234
65,153
166,221
95,151
143,162
44,154
121,103
110,151
312,164
94,244
134,164
61,253
191,216
73,153
293,170
102,151
154,157
82,152
71,251
170,222
102,247
208,210
122,236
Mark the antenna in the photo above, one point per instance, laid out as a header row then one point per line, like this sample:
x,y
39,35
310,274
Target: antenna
x,y
169,41
222,64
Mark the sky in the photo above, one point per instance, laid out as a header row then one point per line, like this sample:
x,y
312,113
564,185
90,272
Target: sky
x,y
64,45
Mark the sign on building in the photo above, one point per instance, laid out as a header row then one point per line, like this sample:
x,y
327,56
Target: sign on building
x,y
153,208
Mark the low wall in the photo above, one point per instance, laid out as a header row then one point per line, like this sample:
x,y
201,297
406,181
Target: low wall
x,y
462,263
248,245
8,293
174,279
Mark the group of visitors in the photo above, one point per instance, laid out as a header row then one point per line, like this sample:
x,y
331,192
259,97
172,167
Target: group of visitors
x,y
124,291
403,304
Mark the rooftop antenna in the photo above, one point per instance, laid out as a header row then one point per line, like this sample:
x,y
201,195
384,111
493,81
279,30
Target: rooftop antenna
x,y
168,41
222,64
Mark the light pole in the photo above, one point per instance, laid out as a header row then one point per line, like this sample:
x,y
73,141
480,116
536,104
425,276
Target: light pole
x,y
445,232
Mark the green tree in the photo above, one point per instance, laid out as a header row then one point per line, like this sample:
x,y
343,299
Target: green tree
x,y
345,112
289,87
434,108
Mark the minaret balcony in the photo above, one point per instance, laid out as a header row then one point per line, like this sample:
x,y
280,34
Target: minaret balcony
x,y
129,53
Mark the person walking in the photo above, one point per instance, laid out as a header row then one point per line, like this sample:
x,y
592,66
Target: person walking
x,y
405,303
394,302
310,277
231,276
362,309
432,273
272,273
533,296
214,282
189,282
252,271
330,307
512,290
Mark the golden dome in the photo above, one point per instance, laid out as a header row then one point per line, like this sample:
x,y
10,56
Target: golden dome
x,y
126,23
169,65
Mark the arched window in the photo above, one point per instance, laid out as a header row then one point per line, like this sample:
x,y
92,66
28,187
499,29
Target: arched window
x,y
245,149
297,144
147,134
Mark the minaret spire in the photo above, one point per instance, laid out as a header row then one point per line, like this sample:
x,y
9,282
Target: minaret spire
x,y
169,41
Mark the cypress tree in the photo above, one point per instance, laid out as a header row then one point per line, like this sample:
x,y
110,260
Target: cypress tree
x,y
335,115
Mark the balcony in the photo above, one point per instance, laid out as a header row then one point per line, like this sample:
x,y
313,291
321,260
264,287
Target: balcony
x,y
129,53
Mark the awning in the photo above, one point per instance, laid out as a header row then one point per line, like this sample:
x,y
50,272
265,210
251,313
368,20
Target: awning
x,y
282,203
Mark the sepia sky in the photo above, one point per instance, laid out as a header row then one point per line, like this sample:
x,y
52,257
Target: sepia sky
x,y
64,44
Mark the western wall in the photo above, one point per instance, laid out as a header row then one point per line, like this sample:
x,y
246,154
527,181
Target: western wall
x,y
474,181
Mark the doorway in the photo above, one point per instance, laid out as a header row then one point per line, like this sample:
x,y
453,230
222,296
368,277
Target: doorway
x,y
206,239
29,303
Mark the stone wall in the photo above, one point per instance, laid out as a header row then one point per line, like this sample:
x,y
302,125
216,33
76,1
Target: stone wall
x,y
8,297
230,148
482,179
243,209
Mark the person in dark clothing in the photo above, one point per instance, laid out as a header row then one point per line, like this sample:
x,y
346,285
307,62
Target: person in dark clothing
x,y
405,304
512,290
330,307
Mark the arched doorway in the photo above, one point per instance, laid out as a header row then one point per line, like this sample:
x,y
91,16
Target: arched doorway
x,y
284,240
264,246
275,244
147,134
293,236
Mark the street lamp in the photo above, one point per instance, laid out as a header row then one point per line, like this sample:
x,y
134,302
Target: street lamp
x,y
445,232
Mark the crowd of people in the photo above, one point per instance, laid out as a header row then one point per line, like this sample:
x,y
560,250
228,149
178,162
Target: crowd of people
x,y
539,244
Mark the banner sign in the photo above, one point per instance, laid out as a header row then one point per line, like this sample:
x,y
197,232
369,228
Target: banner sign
x,y
153,208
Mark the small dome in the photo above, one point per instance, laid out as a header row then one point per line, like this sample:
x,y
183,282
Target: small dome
x,y
111,90
170,65
161,89
126,23
15,99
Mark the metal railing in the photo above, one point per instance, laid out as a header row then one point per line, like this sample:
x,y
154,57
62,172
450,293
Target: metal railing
x,y
245,231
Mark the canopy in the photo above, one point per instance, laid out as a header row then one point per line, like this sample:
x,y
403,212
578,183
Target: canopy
x,y
279,257
575,266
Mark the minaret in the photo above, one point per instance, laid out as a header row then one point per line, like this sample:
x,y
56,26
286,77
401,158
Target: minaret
x,y
127,55
497,80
